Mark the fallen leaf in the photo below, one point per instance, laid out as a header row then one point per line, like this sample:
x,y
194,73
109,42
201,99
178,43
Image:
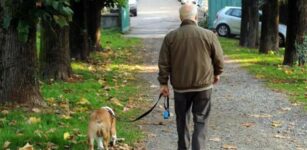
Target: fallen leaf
x,y
288,72
261,116
116,101
64,105
52,130
229,147
65,117
36,110
67,91
51,146
38,133
51,102
6,144
248,124
83,101
276,124
33,120
152,135
91,68
66,136
27,147
5,112
81,109
295,104
281,136
216,139
107,88
154,86
13,123
101,82
125,109
19,133
286,109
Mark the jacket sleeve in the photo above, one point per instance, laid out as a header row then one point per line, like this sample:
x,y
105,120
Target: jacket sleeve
x,y
164,63
217,55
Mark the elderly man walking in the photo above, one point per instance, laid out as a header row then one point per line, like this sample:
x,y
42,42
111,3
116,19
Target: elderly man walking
x,y
193,60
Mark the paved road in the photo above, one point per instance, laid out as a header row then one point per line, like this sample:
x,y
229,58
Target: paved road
x,y
155,18
245,114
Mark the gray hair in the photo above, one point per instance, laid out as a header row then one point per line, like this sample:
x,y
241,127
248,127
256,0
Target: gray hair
x,y
188,11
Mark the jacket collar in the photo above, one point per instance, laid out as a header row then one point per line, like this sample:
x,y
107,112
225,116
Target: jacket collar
x,y
187,22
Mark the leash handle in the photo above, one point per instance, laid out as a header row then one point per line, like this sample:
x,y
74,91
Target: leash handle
x,y
166,106
166,113
166,103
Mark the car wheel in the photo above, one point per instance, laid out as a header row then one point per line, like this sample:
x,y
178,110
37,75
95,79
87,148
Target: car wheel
x,y
223,30
281,40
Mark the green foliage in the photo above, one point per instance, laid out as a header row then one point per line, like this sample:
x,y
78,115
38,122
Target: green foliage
x,y
301,49
122,2
60,20
290,80
24,15
112,3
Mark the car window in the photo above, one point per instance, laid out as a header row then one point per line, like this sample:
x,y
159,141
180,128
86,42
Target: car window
x,y
235,13
228,11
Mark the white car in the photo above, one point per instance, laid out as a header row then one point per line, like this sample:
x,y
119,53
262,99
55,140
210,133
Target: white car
x,y
133,7
228,22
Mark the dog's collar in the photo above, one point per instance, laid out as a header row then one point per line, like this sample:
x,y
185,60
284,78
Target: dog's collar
x,y
110,110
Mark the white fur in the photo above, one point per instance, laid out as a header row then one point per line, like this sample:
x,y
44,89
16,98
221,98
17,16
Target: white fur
x,y
99,143
109,109
114,140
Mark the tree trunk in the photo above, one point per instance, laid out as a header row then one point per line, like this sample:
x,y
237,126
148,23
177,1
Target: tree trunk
x,y
249,23
94,19
283,12
18,65
78,33
54,54
296,29
269,31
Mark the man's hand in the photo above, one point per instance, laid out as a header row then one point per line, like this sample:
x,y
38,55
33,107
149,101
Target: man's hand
x,y
216,79
164,90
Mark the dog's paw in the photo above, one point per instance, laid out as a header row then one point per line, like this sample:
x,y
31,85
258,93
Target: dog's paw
x,y
113,140
101,147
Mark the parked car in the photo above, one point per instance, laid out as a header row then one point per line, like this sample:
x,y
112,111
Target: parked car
x,y
228,23
133,7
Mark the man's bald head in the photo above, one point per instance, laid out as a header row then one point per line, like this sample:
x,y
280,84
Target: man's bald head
x,y
188,11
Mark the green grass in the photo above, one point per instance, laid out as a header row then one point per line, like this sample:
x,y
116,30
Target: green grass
x,y
290,80
113,37
70,103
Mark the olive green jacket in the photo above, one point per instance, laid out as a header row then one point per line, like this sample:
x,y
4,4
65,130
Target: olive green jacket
x,y
190,56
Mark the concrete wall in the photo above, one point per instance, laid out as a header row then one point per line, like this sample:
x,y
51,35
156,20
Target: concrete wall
x,y
110,20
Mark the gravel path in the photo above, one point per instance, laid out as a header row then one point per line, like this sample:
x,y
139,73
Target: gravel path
x,y
245,114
